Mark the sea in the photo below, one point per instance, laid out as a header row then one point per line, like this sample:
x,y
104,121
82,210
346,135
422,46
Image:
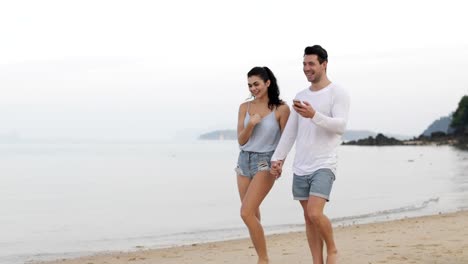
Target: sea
x,y
69,199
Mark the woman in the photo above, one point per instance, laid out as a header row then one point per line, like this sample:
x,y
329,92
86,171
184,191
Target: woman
x,y
259,128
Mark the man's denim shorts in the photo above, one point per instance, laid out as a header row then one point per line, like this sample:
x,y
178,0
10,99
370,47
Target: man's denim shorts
x,y
317,184
249,163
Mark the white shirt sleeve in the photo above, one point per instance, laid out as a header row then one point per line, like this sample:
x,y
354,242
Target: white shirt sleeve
x,y
340,110
288,137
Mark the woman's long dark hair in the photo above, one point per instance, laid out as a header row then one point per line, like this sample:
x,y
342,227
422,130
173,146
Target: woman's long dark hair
x,y
273,90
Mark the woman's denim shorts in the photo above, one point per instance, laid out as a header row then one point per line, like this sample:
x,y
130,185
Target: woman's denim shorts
x,y
249,163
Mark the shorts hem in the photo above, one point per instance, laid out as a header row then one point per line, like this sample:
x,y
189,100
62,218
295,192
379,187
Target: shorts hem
x,y
301,198
320,195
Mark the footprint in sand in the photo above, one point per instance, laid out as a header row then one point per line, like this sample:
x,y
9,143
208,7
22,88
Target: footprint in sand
x,y
392,246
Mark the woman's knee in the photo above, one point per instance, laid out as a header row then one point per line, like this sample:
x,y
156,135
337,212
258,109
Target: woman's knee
x,y
247,213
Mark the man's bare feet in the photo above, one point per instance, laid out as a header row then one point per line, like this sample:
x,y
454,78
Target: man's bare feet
x,y
263,261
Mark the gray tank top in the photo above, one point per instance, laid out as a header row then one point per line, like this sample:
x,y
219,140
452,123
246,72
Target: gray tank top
x,y
265,136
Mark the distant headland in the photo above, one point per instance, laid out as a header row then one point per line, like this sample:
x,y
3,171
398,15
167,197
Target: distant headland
x,y
447,130
227,134
349,135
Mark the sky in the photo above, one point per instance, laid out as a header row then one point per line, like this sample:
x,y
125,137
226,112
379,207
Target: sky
x,y
164,70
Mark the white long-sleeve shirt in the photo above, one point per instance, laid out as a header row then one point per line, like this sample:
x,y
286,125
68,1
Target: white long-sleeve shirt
x,y
317,138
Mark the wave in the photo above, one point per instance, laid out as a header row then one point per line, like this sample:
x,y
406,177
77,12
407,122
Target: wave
x,y
200,236
405,209
187,237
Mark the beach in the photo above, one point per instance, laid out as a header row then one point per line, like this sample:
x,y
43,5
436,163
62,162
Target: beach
x,y
433,239
60,203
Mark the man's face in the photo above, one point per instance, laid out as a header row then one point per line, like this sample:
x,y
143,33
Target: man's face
x,y
313,70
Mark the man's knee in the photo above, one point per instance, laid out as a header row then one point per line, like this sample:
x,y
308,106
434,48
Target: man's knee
x,y
306,218
314,216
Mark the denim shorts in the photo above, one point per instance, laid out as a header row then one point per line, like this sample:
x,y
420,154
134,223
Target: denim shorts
x,y
249,163
317,184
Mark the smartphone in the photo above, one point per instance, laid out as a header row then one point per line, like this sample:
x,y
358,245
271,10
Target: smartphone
x,y
298,103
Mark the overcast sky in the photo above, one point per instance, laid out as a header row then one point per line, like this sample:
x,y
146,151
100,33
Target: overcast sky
x,y
170,69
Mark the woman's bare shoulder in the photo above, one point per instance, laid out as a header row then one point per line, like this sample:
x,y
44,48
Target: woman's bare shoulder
x,y
243,106
283,108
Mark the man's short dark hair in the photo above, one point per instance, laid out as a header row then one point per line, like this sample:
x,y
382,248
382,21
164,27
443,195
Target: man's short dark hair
x,y
321,53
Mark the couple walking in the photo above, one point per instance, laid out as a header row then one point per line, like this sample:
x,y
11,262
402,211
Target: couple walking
x,y
267,129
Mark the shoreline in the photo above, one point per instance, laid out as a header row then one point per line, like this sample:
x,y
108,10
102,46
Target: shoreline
x,y
441,238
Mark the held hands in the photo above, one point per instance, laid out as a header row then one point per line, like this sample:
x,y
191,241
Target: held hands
x,y
276,168
304,109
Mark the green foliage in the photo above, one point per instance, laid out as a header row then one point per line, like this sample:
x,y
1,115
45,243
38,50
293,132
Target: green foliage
x,y
460,117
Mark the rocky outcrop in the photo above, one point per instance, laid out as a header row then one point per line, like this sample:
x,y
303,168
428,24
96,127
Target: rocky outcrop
x,y
379,140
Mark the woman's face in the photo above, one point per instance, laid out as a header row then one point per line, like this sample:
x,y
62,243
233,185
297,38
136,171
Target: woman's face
x,y
257,87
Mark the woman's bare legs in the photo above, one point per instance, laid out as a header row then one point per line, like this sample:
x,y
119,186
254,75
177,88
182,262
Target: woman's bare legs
x,y
252,193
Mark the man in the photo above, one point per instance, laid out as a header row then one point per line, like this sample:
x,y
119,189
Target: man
x,y
316,125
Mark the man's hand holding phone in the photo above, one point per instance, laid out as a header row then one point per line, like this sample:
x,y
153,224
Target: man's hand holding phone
x,y
303,108
298,103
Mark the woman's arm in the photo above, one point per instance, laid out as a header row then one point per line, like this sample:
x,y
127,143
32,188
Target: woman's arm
x,y
243,133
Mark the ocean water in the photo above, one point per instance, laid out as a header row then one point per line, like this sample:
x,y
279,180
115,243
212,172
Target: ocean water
x,y
65,200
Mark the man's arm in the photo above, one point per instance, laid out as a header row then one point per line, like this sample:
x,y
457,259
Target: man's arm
x,y
340,111
287,138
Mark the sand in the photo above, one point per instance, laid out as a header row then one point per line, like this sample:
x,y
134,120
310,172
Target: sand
x,y
431,239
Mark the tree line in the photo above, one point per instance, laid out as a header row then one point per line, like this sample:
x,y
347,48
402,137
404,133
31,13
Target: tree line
x,y
460,117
